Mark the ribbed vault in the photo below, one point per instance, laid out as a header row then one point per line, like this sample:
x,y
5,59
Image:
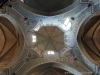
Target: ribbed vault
x,y
9,42
49,69
74,67
90,38
50,38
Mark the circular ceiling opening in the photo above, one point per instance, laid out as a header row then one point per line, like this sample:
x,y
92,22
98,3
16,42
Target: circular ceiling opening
x,y
89,38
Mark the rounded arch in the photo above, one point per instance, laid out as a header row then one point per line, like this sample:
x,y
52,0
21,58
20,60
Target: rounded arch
x,y
14,41
90,24
60,11
53,64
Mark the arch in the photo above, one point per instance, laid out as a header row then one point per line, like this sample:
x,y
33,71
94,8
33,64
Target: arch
x,y
25,6
14,40
81,34
54,64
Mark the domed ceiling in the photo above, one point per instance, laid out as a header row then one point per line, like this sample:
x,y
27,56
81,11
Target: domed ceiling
x,y
50,38
48,5
90,38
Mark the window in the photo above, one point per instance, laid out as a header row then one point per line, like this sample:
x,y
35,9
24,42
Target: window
x,y
51,52
66,21
22,0
67,24
37,28
33,38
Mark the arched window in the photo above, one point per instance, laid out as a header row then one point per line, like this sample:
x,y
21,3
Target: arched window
x,y
67,24
22,0
33,38
51,52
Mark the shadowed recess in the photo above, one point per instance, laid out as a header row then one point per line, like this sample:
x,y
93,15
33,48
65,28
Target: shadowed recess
x,y
2,2
48,5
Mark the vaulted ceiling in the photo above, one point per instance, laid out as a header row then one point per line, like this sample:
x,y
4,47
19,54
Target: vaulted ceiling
x,y
53,71
48,5
90,38
48,38
9,42
48,69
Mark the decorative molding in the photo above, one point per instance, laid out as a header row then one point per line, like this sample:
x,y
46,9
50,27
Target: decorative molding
x,y
97,8
4,10
14,1
84,1
5,71
90,4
